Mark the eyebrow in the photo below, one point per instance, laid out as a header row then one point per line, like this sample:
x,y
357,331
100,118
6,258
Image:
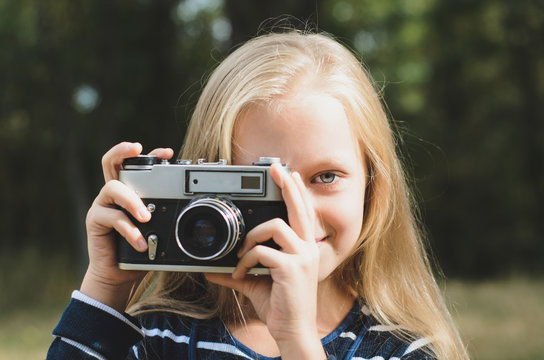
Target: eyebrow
x,y
335,159
328,162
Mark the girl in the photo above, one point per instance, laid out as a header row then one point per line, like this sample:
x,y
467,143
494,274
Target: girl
x,y
350,280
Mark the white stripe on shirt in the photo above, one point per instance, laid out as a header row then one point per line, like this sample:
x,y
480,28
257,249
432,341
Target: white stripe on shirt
x,y
183,339
348,334
412,347
135,350
378,328
83,348
227,348
180,339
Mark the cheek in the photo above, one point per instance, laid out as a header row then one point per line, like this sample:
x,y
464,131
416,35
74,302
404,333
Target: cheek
x,y
344,216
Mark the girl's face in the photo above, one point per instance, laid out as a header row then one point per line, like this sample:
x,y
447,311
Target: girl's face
x,y
312,135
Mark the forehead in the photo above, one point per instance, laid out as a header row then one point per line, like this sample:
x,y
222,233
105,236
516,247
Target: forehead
x,y
296,129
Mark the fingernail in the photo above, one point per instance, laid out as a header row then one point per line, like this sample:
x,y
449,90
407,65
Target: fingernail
x,y
142,244
144,214
135,145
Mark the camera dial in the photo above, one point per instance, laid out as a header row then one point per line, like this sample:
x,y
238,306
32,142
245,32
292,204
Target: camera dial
x,y
140,162
209,227
267,161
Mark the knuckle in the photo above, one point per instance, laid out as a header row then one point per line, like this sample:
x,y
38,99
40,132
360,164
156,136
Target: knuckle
x,y
258,252
278,223
105,190
90,217
108,157
111,185
105,160
129,231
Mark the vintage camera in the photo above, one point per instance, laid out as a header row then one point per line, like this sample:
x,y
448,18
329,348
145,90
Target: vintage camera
x,y
200,213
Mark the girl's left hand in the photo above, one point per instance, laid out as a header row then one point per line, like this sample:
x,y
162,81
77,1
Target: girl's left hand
x,y
287,300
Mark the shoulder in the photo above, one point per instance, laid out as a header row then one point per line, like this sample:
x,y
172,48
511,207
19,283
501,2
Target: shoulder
x,y
366,338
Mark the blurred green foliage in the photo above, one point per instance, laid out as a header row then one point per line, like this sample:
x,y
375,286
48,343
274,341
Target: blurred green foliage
x,y
499,319
462,80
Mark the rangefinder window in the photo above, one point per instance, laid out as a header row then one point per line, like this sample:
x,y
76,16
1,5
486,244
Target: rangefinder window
x,y
225,182
251,182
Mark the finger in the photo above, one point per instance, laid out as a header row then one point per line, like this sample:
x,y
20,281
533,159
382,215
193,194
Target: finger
x,y
162,153
224,280
244,286
296,207
303,216
308,205
116,219
275,229
117,193
260,254
113,159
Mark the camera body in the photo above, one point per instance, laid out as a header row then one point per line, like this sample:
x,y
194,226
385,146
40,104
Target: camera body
x,y
200,212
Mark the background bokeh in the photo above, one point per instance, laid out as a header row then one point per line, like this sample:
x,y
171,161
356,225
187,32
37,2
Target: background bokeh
x,y
463,82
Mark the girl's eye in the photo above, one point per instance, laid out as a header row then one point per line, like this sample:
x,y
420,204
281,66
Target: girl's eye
x,y
327,177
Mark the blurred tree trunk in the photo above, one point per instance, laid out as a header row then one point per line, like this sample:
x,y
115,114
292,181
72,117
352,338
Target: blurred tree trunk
x,y
526,51
66,127
135,44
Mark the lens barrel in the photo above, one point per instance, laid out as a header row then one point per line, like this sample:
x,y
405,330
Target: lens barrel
x,y
209,228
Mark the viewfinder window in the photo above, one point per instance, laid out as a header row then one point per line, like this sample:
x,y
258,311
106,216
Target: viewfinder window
x,y
251,182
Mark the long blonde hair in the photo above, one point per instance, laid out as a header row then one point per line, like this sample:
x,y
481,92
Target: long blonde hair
x,y
388,267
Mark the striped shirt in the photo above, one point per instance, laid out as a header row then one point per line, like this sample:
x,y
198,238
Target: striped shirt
x,y
90,330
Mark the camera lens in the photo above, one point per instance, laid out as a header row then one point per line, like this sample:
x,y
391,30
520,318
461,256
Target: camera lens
x,y
204,232
201,232
209,228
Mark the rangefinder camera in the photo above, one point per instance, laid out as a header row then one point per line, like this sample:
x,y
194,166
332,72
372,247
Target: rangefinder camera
x,y
200,213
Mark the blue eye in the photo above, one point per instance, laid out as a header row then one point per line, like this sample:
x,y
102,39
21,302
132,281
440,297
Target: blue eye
x,y
327,177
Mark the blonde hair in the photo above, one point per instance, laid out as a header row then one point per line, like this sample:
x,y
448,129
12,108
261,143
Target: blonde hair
x,y
388,267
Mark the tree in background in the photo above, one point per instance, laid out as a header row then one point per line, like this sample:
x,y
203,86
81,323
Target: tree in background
x,y
462,81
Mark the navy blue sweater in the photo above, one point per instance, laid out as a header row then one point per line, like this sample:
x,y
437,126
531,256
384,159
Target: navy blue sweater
x,y
91,330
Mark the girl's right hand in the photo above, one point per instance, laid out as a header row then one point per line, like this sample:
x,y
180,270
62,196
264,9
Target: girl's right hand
x,y
104,281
